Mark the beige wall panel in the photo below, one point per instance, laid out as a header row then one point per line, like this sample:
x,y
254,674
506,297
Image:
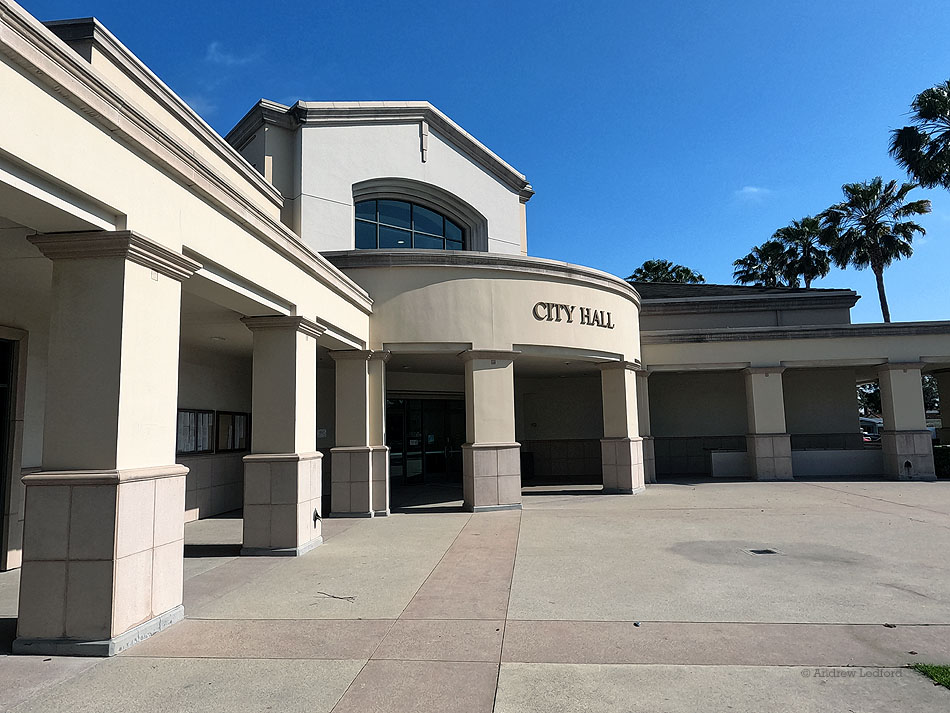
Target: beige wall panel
x,y
557,409
61,142
820,400
697,404
772,352
209,380
334,158
492,309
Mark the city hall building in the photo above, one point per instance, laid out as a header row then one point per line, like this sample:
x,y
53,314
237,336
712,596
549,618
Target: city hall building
x,y
335,303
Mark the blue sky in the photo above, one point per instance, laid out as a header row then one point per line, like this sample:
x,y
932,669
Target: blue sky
x,y
682,130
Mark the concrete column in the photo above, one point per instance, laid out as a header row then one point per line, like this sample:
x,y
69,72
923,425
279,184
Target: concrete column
x,y
621,447
768,444
104,519
906,442
643,417
360,474
282,476
491,459
943,389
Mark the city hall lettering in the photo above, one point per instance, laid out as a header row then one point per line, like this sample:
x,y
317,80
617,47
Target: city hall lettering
x,y
553,312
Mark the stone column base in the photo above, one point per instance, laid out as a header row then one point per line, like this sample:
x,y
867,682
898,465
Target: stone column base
x,y
770,456
360,481
283,503
649,460
102,559
491,476
622,465
908,455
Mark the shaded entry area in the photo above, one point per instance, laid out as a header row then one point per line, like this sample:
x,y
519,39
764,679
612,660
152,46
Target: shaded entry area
x,y
425,437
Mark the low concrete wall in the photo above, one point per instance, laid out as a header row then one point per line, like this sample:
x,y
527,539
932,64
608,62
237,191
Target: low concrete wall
x,y
690,455
564,460
215,484
838,462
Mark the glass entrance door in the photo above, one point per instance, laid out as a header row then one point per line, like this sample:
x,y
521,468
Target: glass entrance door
x,y
425,439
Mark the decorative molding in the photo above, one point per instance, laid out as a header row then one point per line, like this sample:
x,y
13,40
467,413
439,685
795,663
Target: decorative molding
x,y
901,366
838,331
766,370
279,321
305,113
51,62
493,354
841,299
103,477
360,355
589,277
627,365
90,30
125,244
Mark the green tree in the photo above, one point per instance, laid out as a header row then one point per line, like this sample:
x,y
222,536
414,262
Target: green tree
x,y
870,228
924,147
665,271
767,266
804,255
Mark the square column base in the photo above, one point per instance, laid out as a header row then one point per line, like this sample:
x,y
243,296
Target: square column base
x,y
283,503
101,647
102,559
622,460
770,456
491,476
359,481
649,460
908,455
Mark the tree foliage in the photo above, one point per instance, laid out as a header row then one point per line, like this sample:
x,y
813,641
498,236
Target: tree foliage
x,y
665,271
805,257
924,147
767,266
870,228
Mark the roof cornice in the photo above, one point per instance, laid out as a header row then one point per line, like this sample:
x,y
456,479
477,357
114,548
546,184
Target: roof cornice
x,y
54,64
357,259
89,29
753,334
844,299
382,112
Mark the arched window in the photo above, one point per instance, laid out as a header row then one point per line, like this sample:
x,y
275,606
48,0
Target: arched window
x,y
386,224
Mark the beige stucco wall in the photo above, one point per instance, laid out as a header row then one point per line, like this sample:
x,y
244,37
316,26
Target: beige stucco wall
x,y
333,159
491,308
820,400
557,409
59,143
698,404
746,317
209,380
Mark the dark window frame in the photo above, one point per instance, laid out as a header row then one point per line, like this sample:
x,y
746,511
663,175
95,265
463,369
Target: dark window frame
x,y
448,243
247,435
211,440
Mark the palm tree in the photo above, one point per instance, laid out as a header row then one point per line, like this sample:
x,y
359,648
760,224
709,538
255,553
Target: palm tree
x,y
767,266
870,228
665,271
924,148
804,254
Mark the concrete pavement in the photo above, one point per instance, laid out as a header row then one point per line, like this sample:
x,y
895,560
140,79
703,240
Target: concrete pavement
x,y
580,602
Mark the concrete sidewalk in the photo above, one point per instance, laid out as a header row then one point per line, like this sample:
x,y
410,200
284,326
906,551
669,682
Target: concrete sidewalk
x,y
581,602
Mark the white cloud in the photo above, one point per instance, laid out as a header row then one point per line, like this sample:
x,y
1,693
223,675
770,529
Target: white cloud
x,y
216,54
202,105
752,193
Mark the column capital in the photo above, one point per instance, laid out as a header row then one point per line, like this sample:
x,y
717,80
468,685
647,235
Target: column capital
x,y
628,365
279,321
360,354
125,244
901,366
763,370
495,354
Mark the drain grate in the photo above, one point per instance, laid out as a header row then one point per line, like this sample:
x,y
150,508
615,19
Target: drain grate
x,y
763,551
